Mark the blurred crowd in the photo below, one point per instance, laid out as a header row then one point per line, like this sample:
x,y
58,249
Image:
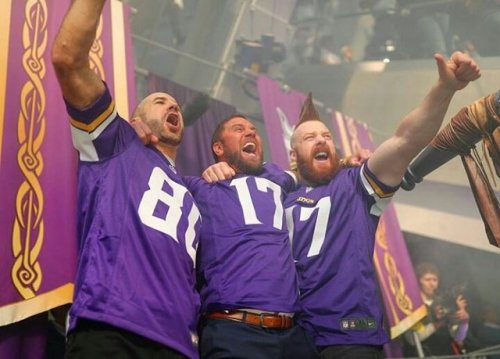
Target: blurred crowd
x,y
336,31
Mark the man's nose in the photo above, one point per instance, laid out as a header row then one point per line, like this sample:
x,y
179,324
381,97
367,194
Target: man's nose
x,y
251,132
173,107
320,139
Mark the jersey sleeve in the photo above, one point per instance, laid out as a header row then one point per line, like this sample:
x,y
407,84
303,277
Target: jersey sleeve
x,y
381,193
98,132
193,183
286,179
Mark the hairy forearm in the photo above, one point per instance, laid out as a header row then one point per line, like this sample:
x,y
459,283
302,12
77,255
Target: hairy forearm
x,y
70,52
78,29
417,129
420,126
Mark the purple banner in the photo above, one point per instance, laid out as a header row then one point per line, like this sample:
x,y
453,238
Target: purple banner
x,y
38,164
397,280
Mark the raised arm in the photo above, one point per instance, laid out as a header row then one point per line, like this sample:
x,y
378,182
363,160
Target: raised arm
x,y
418,128
70,53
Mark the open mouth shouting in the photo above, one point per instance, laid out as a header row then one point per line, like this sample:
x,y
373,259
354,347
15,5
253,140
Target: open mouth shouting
x,y
173,119
250,148
321,156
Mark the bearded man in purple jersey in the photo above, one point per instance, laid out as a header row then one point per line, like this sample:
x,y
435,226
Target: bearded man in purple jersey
x,y
135,294
333,217
247,277
248,283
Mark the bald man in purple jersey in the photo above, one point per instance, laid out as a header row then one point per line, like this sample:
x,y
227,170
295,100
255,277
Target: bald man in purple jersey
x,y
333,217
135,294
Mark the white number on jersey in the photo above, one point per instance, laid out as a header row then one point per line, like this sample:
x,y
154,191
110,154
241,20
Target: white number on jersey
x,y
169,223
322,208
247,205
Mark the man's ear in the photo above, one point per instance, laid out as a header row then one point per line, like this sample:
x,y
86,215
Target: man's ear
x,y
293,155
218,149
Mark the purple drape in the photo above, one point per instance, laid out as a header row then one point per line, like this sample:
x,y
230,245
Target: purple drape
x,y
38,165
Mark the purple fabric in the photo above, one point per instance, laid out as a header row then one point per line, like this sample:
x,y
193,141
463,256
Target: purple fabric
x,y
350,135
38,168
396,276
26,339
244,257
332,241
194,154
280,110
138,230
48,172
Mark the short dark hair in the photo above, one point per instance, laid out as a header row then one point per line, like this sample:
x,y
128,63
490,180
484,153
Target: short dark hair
x,y
424,268
218,130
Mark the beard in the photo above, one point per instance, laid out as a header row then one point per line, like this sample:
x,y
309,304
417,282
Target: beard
x,y
173,139
165,136
235,160
314,176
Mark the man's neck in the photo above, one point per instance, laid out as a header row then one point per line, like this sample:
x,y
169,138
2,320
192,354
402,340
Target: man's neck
x,y
168,150
427,299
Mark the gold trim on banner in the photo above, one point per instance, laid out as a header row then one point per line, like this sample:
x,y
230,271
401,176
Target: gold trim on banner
x,y
409,321
28,227
381,241
393,285
97,51
119,58
5,15
15,312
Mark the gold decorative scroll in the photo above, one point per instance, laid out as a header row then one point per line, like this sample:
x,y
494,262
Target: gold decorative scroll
x,y
394,281
97,51
28,227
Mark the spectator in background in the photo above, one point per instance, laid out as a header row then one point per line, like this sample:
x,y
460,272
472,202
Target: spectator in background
x,y
443,330
376,35
475,25
425,28
313,39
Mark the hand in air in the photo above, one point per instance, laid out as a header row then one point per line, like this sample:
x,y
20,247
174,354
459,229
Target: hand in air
x,y
458,70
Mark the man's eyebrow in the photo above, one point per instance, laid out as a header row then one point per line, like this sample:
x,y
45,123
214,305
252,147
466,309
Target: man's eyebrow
x,y
164,98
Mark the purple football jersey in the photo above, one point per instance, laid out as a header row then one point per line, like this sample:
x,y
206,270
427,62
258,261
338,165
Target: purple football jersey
x,y
137,227
244,257
332,229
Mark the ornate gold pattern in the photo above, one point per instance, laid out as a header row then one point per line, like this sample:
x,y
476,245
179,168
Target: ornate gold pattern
x,y
97,51
28,227
394,278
